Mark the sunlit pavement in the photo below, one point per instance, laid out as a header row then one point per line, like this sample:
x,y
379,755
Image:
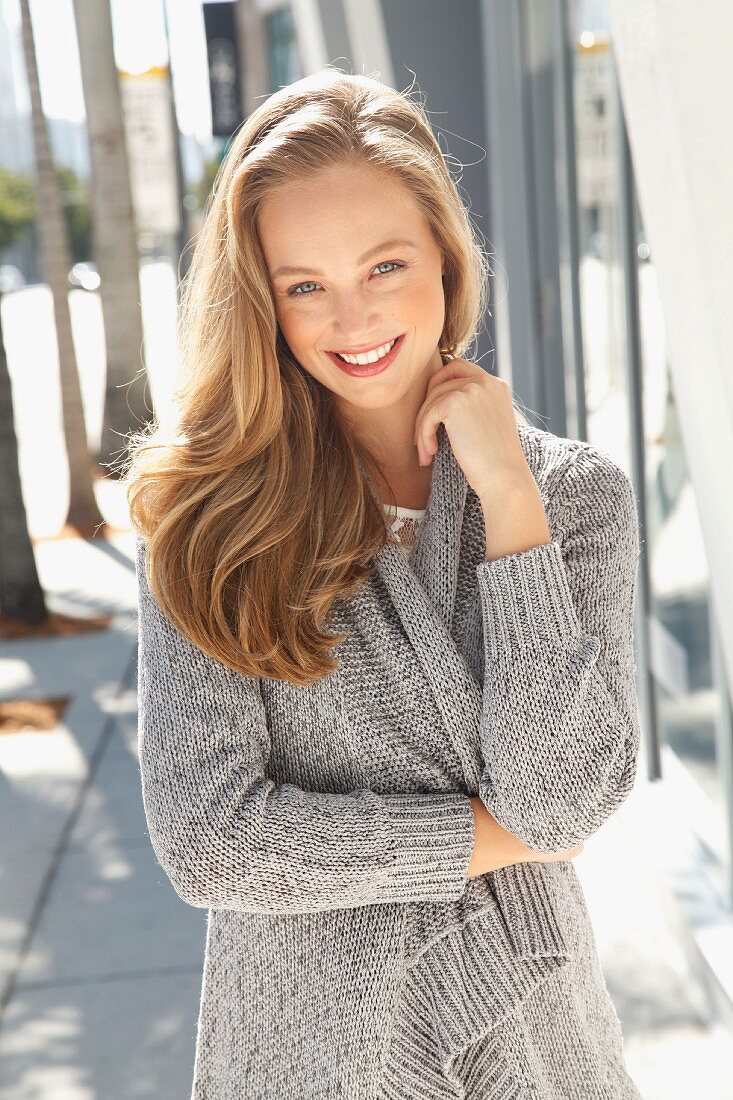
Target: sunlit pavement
x,y
101,959
677,1045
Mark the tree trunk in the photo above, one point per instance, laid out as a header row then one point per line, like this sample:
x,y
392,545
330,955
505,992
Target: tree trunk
x,y
21,595
113,230
83,512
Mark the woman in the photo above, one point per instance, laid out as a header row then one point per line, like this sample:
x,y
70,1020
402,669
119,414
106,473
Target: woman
x,y
373,761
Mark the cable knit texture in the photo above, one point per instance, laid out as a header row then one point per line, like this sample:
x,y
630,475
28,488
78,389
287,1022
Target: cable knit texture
x,y
328,828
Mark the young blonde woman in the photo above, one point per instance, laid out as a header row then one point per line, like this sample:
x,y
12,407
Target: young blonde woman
x,y
374,759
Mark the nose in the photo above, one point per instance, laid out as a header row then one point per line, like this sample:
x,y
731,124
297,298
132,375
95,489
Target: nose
x,y
355,324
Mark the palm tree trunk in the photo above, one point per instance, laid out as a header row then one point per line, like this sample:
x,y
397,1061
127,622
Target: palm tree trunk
x,y
83,512
21,595
113,229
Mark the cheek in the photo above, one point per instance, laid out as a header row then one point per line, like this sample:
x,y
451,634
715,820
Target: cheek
x,y
427,307
295,327
302,335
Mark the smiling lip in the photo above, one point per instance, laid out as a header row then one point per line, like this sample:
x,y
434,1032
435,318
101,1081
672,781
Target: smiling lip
x,y
364,350
362,371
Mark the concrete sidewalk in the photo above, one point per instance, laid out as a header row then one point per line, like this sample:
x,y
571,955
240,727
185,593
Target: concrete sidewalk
x,y
100,961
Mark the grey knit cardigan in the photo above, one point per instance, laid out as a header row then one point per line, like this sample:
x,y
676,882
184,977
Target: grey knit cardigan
x,y
328,828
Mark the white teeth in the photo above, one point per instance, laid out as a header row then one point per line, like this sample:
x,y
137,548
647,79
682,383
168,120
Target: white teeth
x,y
368,357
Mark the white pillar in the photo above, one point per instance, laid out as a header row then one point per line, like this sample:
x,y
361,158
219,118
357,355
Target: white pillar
x,y
676,80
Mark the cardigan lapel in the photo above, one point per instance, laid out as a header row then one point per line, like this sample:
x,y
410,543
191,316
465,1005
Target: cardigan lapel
x,y
433,564
434,559
423,591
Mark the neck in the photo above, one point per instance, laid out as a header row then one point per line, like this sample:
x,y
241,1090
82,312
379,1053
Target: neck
x,y
388,433
412,489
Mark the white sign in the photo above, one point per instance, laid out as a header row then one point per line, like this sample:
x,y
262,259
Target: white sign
x,y
146,105
595,124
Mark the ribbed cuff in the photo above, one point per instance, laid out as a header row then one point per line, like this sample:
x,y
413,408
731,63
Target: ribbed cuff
x,y
526,600
433,838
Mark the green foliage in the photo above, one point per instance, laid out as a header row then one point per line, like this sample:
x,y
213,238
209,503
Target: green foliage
x,y
19,209
75,201
205,185
17,205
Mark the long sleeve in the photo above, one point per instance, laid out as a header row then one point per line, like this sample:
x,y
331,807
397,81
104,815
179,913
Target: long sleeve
x,y
560,730
230,838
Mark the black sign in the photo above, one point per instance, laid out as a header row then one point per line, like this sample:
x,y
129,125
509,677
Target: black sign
x,y
224,83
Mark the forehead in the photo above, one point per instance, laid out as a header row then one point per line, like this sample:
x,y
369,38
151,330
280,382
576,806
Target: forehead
x,y
346,208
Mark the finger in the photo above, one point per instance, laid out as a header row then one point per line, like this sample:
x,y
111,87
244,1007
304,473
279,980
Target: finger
x,y
427,434
454,368
426,441
460,382
422,437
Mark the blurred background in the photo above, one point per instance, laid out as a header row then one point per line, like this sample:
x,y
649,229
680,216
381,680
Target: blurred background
x,y
596,160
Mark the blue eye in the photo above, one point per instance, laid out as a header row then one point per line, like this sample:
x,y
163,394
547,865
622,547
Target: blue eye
x,y
395,264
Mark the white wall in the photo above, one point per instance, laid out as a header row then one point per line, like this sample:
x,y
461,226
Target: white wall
x,y
676,81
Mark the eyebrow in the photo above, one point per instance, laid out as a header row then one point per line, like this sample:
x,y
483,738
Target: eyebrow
x,y
393,243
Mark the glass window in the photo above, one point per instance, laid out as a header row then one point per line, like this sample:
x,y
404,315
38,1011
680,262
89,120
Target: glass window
x,y
282,48
601,276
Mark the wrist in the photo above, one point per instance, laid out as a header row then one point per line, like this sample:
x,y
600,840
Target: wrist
x,y
504,487
494,846
514,520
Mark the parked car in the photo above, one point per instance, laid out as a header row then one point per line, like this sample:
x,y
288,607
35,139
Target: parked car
x,y
85,276
11,278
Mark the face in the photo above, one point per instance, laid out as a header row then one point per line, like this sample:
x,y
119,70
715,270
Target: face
x,y
347,290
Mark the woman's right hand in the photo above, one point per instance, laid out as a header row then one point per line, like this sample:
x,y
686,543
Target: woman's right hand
x,y
496,847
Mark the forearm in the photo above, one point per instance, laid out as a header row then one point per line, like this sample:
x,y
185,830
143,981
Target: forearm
x,y
560,729
494,845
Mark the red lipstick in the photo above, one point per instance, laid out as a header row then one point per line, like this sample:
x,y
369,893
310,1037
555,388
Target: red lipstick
x,y
357,370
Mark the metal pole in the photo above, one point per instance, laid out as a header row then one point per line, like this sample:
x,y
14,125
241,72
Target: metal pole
x,y
628,233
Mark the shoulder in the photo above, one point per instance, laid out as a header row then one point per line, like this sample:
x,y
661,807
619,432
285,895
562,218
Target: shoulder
x,y
583,488
566,467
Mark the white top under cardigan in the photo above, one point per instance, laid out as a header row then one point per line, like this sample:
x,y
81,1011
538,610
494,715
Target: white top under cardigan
x,y
405,524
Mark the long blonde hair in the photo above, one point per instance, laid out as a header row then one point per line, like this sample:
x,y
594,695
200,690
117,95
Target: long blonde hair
x,y
252,498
